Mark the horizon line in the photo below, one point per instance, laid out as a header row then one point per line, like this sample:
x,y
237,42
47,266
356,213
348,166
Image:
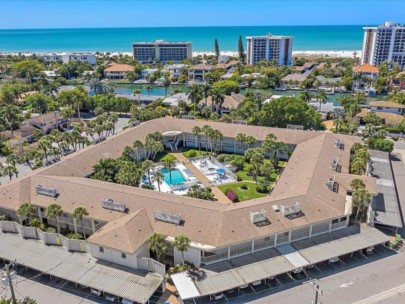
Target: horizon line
x,y
191,26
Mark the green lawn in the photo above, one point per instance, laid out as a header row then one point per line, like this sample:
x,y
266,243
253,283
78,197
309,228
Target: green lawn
x,y
186,152
243,195
163,156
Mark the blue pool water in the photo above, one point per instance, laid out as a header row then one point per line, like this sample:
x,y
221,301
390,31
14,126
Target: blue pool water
x,y
177,177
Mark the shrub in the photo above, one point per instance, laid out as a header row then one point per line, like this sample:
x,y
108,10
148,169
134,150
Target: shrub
x,y
262,188
227,159
192,153
221,157
244,187
238,178
232,195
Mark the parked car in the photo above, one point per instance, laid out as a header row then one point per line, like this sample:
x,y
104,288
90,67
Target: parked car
x,y
271,278
95,292
110,297
244,286
310,266
217,297
298,270
126,301
256,283
369,250
334,260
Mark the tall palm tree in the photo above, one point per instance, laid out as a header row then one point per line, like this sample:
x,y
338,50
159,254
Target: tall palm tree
x,y
194,92
169,165
138,92
137,145
306,95
206,91
54,211
322,98
181,243
147,166
26,210
78,214
10,116
207,130
157,244
196,132
159,177
166,83
217,100
10,170
149,89
361,199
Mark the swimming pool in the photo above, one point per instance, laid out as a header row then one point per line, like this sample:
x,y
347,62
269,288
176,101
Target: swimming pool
x,y
177,177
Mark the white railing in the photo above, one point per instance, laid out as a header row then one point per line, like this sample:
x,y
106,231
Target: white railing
x,y
183,186
48,238
151,265
214,258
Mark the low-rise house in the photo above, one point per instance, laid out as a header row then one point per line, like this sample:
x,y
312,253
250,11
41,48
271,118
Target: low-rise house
x,y
174,69
197,72
307,66
389,119
146,72
398,82
67,57
51,74
294,80
364,76
174,100
329,84
231,102
387,107
47,122
118,71
143,99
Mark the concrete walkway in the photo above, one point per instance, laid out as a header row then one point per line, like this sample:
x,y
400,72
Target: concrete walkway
x,y
219,195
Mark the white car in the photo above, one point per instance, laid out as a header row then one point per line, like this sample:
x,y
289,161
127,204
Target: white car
x,y
298,270
126,301
271,278
244,286
110,297
95,292
256,283
217,297
334,260
370,250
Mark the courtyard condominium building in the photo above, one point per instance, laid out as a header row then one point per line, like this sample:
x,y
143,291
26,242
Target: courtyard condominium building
x,y
161,51
384,43
269,47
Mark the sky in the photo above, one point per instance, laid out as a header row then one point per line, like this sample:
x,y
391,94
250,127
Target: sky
x,y
27,14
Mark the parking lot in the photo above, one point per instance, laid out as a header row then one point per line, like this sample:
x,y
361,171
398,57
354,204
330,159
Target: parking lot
x,y
288,280
44,289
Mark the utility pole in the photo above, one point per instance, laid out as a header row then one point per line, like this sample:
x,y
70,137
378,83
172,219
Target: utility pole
x,y
318,293
14,300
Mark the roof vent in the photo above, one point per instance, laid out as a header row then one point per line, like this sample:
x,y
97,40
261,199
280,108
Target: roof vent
x,y
339,144
276,208
295,127
109,204
292,211
168,218
334,163
331,184
52,192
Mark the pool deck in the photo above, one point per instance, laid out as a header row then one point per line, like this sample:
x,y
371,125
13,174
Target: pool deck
x,y
219,195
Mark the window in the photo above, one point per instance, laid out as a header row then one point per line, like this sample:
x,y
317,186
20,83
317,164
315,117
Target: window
x,y
335,221
101,249
123,255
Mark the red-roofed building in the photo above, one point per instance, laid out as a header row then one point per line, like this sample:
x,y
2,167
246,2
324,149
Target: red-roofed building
x,y
364,77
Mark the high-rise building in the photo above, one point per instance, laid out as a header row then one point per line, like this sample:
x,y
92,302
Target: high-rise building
x,y
161,51
270,48
384,43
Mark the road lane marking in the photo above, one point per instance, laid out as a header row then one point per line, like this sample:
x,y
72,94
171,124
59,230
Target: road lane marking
x,y
382,295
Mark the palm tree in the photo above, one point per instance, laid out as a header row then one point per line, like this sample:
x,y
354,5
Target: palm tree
x,y
149,88
217,99
10,170
137,145
157,244
206,91
166,83
181,243
26,210
10,116
306,95
322,98
53,211
194,93
169,165
357,184
137,92
148,165
196,132
207,130
159,177
78,214
361,199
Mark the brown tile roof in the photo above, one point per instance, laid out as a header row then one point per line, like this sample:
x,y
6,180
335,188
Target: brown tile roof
x,y
202,66
212,223
366,68
295,77
386,104
127,233
117,67
390,119
231,102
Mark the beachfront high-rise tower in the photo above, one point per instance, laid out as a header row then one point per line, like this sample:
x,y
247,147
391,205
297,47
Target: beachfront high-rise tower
x,y
270,48
162,51
384,43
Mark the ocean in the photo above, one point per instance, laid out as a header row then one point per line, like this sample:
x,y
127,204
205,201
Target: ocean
x,y
306,38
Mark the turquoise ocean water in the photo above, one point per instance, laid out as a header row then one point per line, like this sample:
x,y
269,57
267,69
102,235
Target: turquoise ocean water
x,y
120,39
